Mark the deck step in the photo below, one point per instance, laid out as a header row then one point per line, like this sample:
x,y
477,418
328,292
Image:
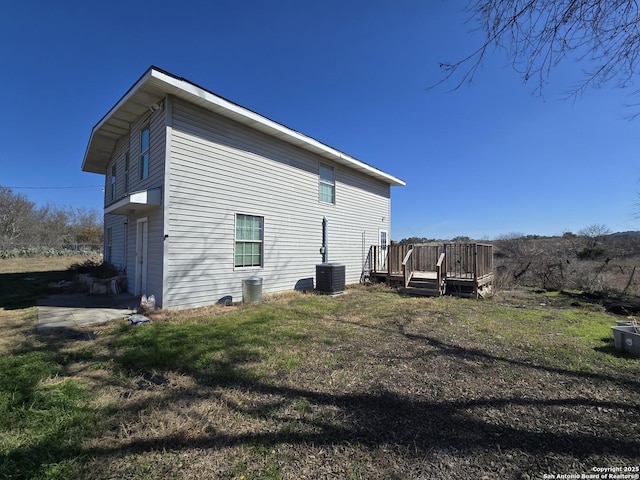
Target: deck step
x,y
423,286
423,283
427,292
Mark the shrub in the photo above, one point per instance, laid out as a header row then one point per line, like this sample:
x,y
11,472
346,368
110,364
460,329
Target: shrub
x,y
95,269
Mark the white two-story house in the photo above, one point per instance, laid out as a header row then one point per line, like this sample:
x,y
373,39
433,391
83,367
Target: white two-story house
x,y
201,193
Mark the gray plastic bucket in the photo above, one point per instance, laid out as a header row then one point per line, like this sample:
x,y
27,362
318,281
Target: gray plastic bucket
x,y
626,339
252,290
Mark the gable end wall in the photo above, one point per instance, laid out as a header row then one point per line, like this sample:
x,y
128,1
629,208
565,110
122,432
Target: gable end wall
x,y
219,168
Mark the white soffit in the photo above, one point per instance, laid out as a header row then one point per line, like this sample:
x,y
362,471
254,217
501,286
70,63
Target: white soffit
x,y
155,84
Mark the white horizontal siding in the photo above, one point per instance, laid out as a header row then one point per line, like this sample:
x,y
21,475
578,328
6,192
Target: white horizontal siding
x,y
220,168
117,159
157,133
117,225
156,121
124,238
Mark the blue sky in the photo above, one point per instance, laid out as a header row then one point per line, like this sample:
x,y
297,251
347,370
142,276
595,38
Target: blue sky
x,y
484,160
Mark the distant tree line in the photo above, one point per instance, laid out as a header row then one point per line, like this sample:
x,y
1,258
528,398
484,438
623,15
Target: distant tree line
x,y
593,259
422,240
25,228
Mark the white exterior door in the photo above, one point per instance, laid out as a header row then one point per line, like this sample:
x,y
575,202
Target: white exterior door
x,y
142,250
383,243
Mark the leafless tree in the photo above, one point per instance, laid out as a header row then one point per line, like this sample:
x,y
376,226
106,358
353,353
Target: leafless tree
x,y
591,241
516,254
539,34
86,225
22,223
595,231
16,216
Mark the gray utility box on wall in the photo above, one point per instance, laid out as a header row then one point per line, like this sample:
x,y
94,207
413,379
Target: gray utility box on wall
x,y
330,278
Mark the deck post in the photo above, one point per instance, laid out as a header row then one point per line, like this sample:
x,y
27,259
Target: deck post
x,y
475,269
375,258
391,253
446,260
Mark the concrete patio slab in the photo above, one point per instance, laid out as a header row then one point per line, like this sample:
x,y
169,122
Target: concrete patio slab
x,y
79,310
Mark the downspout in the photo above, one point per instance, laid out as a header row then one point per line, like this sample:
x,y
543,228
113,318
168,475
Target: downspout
x,y
324,250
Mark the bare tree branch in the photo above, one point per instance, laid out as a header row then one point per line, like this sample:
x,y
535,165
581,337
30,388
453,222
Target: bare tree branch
x,y
540,34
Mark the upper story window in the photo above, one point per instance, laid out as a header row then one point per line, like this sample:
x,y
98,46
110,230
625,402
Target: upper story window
x,y
144,152
249,239
126,173
327,188
113,182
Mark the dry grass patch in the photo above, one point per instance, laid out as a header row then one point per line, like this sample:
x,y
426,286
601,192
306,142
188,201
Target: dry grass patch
x,y
41,264
372,385
16,328
25,279
364,385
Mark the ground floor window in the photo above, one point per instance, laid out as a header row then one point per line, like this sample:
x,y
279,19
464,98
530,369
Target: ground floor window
x,y
249,241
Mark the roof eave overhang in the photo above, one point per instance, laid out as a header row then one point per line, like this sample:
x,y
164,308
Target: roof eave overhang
x,y
156,84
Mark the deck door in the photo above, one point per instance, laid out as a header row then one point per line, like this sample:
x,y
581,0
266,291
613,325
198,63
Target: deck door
x,y
383,243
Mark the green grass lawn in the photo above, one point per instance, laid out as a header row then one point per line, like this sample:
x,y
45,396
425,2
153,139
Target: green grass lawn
x,y
369,384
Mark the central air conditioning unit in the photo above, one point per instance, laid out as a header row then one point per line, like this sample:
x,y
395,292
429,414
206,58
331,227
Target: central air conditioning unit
x,y
330,278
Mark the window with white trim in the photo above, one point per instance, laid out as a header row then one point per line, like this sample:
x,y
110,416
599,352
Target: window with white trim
x,y
249,240
143,160
327,184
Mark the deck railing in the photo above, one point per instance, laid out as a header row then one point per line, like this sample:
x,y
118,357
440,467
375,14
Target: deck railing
x,y
426,256
387,260
440,273
407,267
469,260
460,260
395,256
484,260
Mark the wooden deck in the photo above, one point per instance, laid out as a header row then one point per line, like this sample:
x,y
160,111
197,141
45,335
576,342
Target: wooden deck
x,y
463,269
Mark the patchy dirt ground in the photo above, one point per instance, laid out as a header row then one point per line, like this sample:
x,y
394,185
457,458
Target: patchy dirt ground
x,y
365,385
385,387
